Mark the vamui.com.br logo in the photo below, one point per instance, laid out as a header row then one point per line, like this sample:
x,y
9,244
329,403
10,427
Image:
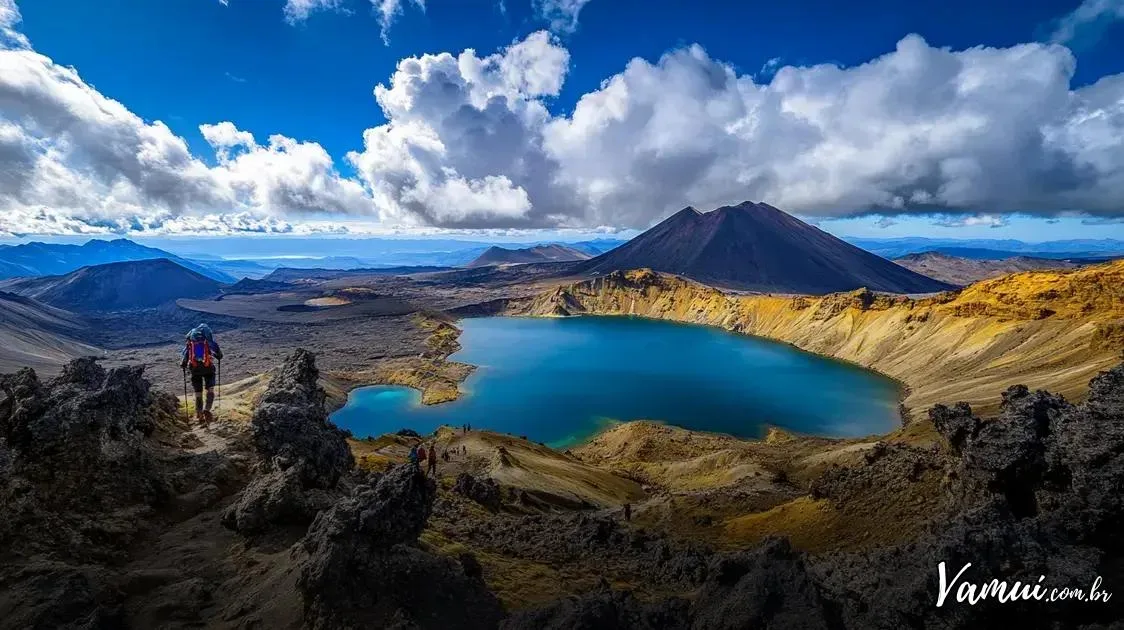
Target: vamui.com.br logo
x,y
1004,591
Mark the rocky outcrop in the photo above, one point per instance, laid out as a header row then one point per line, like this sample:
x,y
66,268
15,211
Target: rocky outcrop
x,y
361,569
74,453
485,491
277,498
605,610
291,424
887,468
1035,492
768,587
303,455
89,464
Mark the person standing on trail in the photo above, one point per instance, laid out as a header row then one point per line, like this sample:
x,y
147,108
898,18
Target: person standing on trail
x,y
414,456
201,356
432,461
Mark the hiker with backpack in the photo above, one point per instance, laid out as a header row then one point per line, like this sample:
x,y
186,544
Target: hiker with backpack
x,y
201,357
432,470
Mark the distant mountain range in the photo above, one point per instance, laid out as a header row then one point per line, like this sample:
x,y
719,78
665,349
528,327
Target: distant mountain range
x,y
254,258
51,259
297,274
964,271
121,286
754,246
992,249
553,252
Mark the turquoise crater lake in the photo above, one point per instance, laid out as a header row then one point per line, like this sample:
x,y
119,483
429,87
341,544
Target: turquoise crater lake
x,y
561,380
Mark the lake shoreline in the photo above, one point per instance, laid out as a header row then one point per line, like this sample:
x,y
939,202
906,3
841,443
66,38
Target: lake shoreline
x,y
738,389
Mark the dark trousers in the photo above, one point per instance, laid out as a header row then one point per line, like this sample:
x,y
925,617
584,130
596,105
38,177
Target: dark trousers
x,y
200,378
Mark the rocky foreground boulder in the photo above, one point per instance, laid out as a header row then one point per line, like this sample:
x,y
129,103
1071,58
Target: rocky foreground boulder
x,y
291,427
362,569
302,454
358,563
90,463
74,452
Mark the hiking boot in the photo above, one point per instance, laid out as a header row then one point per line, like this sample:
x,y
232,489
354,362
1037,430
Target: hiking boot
x,y
199,417
208,416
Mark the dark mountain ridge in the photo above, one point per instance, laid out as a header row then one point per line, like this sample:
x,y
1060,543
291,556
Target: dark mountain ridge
x,y
552,252
295,274
756,247
120,286
53,259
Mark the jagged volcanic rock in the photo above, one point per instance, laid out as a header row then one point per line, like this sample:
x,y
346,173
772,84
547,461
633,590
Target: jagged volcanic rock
x,y
88,465
605,610
485,491
303,453
360,569
75,454
275,498
768,587
1035,492
291,424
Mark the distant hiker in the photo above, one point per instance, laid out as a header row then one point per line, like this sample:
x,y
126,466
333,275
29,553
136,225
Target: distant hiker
x,y
628,511
432,461
414,455
201,356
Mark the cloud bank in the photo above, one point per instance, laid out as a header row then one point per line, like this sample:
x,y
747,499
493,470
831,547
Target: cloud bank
x,y
471,142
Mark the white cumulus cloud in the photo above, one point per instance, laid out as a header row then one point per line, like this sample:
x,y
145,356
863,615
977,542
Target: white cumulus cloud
x,y
9,20
917,130
471,141
75,161
463,145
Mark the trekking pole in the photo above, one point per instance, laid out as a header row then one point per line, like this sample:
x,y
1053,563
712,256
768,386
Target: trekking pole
x,y
218,385
186,411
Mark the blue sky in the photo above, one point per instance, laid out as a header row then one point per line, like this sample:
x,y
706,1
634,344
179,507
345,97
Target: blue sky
x,y
1035,156
201,60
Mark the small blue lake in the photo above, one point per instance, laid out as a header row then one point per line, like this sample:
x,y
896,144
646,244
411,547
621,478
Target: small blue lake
x,y
561,380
